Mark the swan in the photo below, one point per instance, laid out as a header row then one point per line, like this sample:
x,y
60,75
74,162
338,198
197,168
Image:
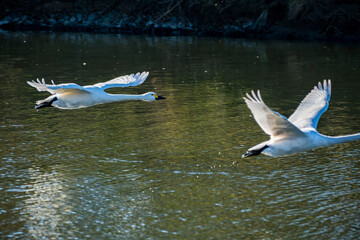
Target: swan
x,y
74,96
297,133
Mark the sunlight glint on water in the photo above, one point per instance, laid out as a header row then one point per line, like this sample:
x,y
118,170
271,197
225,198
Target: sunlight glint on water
x,y
173,168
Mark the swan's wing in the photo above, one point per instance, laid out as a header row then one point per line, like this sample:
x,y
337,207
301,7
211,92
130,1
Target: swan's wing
x,y
40,85
312,107
271,122
124,81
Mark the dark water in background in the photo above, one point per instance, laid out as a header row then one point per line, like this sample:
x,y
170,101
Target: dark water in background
x,y
172,169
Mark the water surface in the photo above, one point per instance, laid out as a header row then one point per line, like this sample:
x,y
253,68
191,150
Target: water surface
x,y
172,169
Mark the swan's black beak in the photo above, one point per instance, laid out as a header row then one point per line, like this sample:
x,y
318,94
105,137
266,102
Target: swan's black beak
x,y
45,104
42,105
254,152
157,97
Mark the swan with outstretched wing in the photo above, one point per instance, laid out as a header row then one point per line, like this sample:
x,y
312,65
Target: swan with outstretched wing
x,y
297,133
74,96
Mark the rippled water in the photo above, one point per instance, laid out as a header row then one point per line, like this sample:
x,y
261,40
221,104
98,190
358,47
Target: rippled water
x,y
172,169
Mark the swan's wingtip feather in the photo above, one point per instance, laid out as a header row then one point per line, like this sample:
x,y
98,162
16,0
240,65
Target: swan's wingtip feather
x,y
328,87
259,95
325,85
144,75
319,86
254,95
249,98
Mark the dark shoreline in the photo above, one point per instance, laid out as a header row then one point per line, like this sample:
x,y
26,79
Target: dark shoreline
x,y
299,20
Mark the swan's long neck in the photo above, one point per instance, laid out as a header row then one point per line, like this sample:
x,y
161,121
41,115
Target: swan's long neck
x,y
124,97
342,139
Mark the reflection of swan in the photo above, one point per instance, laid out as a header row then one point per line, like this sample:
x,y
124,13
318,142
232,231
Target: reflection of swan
x,y
73,96
298,133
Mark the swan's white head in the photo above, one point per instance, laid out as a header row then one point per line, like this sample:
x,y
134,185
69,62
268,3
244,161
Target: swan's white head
x,y
151,96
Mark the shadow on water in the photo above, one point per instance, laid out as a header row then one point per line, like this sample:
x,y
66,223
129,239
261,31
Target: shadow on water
x,y
173,168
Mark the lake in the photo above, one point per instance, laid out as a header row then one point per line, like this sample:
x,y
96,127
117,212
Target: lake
x,y
172,169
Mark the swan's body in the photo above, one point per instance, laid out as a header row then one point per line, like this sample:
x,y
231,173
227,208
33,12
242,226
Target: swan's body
x,y
297,133
74,96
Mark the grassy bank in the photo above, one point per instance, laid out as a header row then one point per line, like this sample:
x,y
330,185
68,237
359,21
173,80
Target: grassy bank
x,y
332,20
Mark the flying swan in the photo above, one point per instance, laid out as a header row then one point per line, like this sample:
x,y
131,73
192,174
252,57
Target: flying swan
x,y
74,96
297,133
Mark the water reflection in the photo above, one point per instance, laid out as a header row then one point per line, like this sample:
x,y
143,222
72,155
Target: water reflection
x,y
46,197
173,168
